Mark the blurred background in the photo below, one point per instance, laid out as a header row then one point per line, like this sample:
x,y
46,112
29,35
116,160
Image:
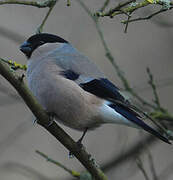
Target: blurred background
x,y
146,44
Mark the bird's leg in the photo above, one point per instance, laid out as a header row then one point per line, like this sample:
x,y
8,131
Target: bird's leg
x,y
51,118
34,121
79,142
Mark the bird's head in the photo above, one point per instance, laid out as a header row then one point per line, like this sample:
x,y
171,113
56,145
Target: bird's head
x,y
35,41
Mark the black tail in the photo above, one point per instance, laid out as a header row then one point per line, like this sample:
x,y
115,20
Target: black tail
x,y
132,116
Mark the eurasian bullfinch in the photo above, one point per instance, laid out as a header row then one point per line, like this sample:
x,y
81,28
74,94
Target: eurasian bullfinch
x,y
67,84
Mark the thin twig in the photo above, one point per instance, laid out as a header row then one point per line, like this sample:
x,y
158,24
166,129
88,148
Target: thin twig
x,y
115,9
105,4
162,116
128,19
160,83
153,86
141,167
39,4
147,17
120,9
151,163
40,28
131,8
73,173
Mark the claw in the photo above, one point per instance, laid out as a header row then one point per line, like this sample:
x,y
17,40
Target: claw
x,y
71,155
34,121
21,77
51,117
79,143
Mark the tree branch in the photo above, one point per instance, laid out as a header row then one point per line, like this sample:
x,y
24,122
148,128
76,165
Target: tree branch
x,y
44,121
147,17
151,163
153,86
120,9
141,167
72,172
117,8
105,4
40,28
39,4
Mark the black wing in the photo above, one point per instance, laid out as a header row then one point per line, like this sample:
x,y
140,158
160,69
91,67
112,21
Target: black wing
x,y
103,88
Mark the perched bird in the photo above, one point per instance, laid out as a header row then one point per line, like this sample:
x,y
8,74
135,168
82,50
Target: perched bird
x,y
67,84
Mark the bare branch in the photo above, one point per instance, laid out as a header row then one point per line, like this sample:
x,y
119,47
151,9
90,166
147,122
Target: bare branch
x,y
128,19
117,8
44,121
147,17
39,4
120,9
153,86
40,28
104,5
72,172
151,163
141,167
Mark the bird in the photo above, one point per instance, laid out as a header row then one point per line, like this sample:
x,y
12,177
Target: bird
x,y
69,85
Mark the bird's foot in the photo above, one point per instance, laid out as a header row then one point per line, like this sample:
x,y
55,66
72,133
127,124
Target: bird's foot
x,y
79,146
51,118
21,77
34,121
79,143
71,155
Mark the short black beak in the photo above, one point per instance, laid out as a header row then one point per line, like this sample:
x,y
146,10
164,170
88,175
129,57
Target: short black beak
x,y
26,48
